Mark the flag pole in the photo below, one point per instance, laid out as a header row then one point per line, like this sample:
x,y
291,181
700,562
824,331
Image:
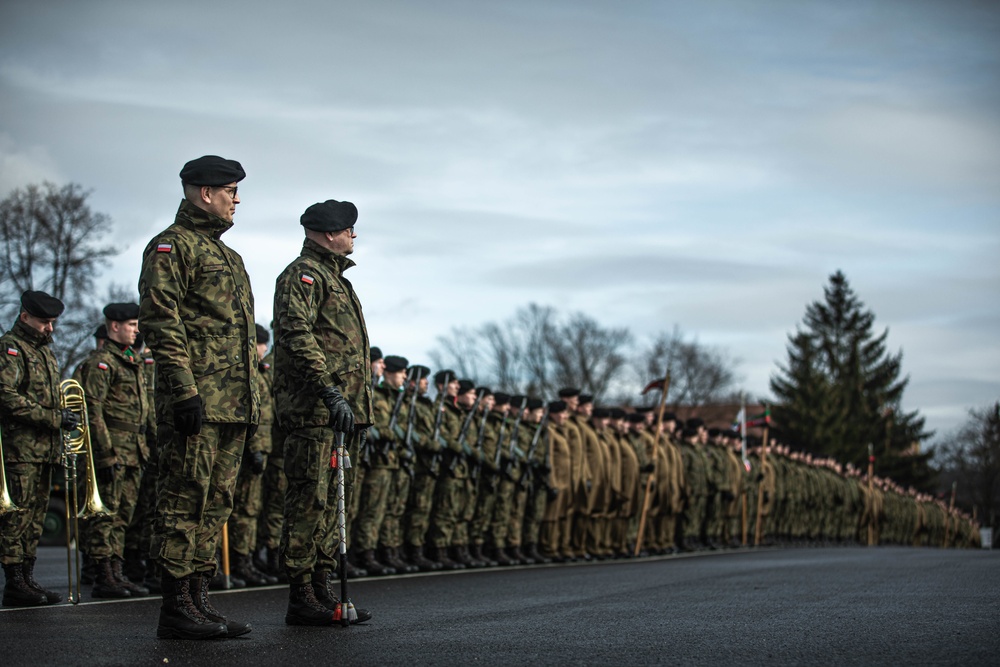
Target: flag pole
x,y
649,480
760,487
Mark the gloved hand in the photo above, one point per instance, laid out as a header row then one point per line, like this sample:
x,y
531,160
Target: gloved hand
x,y
341,417
363,438
105,476
70,420
251,431
258,461
187,416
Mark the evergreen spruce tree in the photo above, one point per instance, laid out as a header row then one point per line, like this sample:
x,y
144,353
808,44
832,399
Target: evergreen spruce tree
x,y
841,390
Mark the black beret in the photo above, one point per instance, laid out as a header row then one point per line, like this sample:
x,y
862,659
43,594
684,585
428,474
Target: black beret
x,y
330,216
617,413
636,418
555,407
586,398
121,312
485,391
518,401
694,422
500,398
601,413
395,363
669,417
212,170
568,392
262,335
714,432
643,409
444,377
689,432
535,403
375,353
418,371
102,332
465,386
41,304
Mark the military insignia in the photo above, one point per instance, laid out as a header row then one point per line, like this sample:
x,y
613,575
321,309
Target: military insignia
x,y
149,361
103,366
164,247
12,352
267,367
307,279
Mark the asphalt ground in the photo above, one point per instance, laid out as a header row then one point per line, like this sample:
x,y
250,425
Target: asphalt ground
x,y
823,606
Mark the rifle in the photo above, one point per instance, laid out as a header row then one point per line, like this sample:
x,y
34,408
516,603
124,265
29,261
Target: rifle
x,y
503,427
410,417
509,470
462,433
529,471
477,464
435,463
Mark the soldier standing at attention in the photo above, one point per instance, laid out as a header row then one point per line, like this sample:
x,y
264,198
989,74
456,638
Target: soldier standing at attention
x,y
114,383
322,386
196,311
31,420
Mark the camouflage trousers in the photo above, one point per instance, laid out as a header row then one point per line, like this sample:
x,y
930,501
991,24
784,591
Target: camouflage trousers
x,y
246,510
449,498
104,536
391,533
486,498
197,475
535,502
418,514
503,509
139,533
374,499
310,535
28,485
272,514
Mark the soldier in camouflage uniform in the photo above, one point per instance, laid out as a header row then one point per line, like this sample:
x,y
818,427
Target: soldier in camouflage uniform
x,y
30,422
426,468
484,471
196,311
466,401
322,386
114,384
273,487
248,497
532,453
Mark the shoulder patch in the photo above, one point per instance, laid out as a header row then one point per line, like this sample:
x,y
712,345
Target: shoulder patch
x,y
149,361
103,366
164,247
307,279
267,367
12,352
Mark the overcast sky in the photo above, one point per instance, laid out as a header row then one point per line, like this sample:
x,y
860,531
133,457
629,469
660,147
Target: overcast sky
x,y
701,164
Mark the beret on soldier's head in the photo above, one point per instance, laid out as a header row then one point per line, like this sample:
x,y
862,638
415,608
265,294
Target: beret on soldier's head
x,y
694,422
643,409
102,332
535,403
444,377
617,413
714,432
636,418
555,407
484,391
585,399
330,216
601,413
121,312
669,417
41,304
465,386
262,335
518,401
212,170
568,392
394,363
375,353
419,372
689,432
500,399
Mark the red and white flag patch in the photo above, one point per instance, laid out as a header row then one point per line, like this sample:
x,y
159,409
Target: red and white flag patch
x,y
103,366
307,279
149,361
12,352
164,247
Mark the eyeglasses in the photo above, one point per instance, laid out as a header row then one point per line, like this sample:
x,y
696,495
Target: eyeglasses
x,y
232,189
350,231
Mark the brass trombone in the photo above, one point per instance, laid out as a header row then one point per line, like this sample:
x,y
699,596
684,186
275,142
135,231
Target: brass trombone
x,y
75,443
6,504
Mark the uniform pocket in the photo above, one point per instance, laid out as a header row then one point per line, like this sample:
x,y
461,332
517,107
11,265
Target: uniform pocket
x,y
214,354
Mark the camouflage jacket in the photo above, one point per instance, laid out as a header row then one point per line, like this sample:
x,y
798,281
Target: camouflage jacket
x,y
117,407
30,411
320,340
388,440
261,441
196,310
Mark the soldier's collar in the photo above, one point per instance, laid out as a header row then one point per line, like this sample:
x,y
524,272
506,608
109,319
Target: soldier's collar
x,y
342,262
33,335
200,220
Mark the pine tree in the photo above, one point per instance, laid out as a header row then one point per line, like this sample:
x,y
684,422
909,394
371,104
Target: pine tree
x,y
841,390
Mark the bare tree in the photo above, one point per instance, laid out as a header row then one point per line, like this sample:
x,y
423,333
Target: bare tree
x,y
699,374
972,458
51,242
586,355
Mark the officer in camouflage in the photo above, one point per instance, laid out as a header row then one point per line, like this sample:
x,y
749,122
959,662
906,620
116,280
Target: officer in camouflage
x,y
30,420
322,385
196,310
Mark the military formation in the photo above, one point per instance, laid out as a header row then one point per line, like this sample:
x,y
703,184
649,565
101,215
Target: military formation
x,y
215,440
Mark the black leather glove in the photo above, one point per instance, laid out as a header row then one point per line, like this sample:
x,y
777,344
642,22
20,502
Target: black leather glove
x,y
187,416
341,417
258,461
251,431
105,476
70,420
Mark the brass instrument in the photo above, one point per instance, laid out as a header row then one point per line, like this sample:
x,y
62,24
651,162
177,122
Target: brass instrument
x,y
75,443
6,504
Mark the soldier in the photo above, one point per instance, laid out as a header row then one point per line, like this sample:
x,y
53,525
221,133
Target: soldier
x,y
426,468
450,489
114,384
378,366
322,385
531,454
30,420
560,486
196,310
484,472
247,499
273,487
466,401
595,456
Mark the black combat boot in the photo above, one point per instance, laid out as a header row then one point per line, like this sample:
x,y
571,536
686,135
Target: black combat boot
x,y
477,554
501,558
87,571
392,558
461,556
518,554
440,555
275,567
28,567
218,582
105,583
135,590
305,609
17,592
244,569
532,552
374,567
199,591
180,618
354,568
417,558
135,565
153,579
322,581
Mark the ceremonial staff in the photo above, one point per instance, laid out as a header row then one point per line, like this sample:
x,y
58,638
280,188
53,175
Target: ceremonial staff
x,y
345,612
647,499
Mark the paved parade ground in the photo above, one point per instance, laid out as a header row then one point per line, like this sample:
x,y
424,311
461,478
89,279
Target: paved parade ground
x,y
829,606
